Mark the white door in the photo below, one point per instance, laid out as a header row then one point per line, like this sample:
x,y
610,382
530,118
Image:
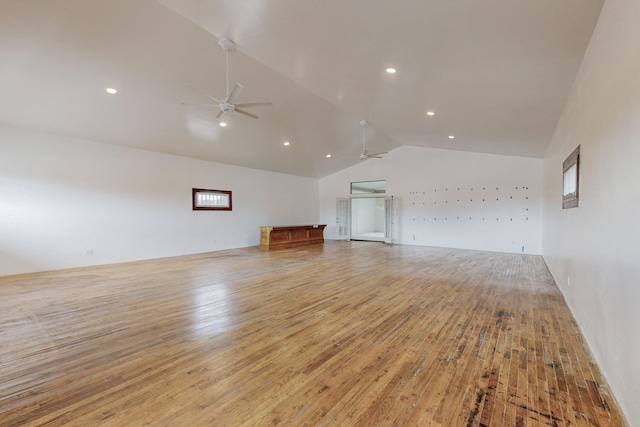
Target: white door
x,y
391,215
343,219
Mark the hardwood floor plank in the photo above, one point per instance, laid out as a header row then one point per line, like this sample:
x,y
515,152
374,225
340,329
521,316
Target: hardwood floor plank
x,y
467,366
349,333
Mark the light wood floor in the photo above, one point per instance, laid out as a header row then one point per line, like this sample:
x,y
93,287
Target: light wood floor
x,y
349,334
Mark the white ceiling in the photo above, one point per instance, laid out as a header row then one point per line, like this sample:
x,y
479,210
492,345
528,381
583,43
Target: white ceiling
x,y
496,73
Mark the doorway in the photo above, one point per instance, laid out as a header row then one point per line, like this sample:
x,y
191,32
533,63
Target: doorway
x,y
368,219
376,219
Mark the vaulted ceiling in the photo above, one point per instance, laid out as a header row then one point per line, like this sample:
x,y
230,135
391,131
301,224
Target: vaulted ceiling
x,y
496,73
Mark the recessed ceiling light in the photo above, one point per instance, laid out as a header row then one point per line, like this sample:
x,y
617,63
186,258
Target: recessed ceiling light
x,y
223,124
451,137
286,143
328,155
111,90
430,113
391,70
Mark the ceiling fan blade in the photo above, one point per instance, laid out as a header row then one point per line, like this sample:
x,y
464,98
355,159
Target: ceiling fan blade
x,y
201,92
220,114
246,113
254,104
373,156
201,105
377,154
234,93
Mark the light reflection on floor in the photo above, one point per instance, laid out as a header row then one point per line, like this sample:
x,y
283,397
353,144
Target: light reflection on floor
x,y
212,310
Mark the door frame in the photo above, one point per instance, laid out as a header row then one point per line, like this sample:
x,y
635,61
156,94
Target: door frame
x,y
391,215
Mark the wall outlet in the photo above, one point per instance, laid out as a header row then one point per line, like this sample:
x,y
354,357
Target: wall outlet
x,y
89,251
568,281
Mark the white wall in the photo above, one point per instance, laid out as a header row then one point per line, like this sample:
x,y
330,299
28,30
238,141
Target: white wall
x,y
452,198
60,197
592,251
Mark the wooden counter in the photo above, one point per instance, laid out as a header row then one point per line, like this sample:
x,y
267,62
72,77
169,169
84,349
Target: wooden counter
x,y
288,236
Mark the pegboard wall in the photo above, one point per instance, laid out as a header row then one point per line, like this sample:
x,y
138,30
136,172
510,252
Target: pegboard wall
x,y
471,216
472,204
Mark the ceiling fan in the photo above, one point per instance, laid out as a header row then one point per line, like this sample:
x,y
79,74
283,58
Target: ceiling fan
x,y
365,153
227,104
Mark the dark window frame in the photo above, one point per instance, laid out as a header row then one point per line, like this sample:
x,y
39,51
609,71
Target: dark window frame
x,y
572,199
198,206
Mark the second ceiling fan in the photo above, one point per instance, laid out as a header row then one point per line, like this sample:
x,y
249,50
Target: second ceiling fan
x,y
227,104
364,155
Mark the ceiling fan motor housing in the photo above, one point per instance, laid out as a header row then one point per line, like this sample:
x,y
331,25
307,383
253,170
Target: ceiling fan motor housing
x,y
226,107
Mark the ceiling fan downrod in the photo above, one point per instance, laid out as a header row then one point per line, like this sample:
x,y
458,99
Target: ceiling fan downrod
x,y
227,45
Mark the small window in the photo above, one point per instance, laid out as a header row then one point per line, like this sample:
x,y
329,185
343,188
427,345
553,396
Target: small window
x,y
369,187
211,200
571,180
